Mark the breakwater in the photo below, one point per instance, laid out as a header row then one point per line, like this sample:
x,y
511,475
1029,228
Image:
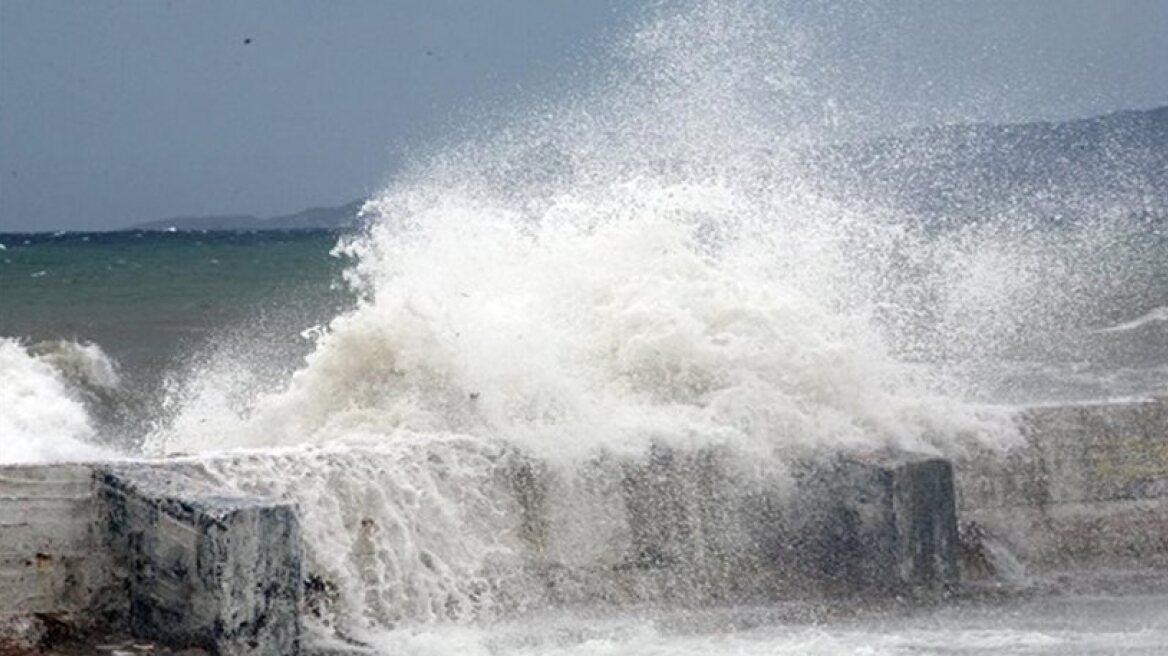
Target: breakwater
x,y
170,551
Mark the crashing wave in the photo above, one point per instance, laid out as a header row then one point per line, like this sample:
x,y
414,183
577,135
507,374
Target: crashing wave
x,y
43,415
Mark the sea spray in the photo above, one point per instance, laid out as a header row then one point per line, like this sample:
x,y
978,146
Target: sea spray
x,y
645,261
427,528
1016,306
642,266
43,394
649,265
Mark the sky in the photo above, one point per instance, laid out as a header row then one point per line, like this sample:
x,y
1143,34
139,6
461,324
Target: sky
x,y
115,113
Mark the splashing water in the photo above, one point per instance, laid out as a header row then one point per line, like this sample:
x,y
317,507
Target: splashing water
x,y
43,417
648,261
644,263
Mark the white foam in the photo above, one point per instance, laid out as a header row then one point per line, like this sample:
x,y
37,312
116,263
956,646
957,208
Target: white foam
x,y
1153,316
83,364
42,418
644,262
1035,627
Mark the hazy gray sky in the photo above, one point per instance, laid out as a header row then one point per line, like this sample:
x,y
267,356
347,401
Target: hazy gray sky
x,y
113,113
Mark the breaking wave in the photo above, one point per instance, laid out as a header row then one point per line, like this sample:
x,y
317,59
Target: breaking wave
x,y
649,262
43,393
645,262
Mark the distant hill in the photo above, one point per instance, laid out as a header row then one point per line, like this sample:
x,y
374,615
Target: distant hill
x,y
1050,169
949,172
339,217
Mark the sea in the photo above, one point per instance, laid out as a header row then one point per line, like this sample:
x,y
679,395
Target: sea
x,y
647,259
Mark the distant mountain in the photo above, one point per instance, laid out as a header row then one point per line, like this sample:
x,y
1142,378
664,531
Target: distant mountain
x,y
1118,160
342,216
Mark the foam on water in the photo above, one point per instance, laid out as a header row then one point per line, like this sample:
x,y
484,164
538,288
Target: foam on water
x,y
1154,316
1070,625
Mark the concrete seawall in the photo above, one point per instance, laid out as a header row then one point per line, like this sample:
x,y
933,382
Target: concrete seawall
x,y
200,566
159,551
1088,489
162,550
685,527
149,552
52,553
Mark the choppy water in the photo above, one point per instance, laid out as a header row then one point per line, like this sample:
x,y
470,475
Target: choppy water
x,y
150,297
649,259
150,306
1070,625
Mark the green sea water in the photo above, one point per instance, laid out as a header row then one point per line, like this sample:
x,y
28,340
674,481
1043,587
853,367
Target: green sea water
x,y
150,299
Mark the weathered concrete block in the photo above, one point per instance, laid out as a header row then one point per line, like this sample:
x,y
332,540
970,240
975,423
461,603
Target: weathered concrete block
x,y
189,564
204,567
881,524
924,500
1089,486
50,538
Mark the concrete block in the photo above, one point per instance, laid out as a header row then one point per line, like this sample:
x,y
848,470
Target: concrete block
x,y
183,562
924,501
673,526
699,527
1088,487
882,524
204,567
688,537
50,539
